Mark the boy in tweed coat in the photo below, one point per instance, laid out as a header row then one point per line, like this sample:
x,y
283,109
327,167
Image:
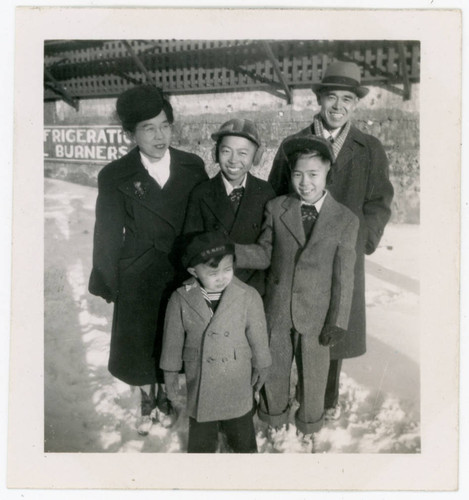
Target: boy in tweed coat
x,y
308,240
215,326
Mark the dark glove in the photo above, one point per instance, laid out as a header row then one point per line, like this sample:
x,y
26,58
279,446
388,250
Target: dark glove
x,y
259,376
331,335
171,382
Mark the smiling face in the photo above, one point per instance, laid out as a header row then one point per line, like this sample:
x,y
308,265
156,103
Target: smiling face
x,y
337,107
309,177
153,136
214,279
235,156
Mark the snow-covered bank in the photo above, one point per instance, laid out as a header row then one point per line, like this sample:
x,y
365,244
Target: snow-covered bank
x,y
87,410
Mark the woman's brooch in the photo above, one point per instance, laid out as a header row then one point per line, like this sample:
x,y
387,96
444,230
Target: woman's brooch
x,y
140,189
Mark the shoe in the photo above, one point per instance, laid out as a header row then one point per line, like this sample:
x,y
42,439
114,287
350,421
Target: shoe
x,y
147,413
276,435
166,414
144,424
308,441
333,413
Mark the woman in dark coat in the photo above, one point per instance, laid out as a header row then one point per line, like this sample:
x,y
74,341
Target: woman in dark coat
x,y
140,210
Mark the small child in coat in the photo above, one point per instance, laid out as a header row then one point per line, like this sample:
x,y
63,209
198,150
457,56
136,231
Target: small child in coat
x,y
215,325
233,201
308,240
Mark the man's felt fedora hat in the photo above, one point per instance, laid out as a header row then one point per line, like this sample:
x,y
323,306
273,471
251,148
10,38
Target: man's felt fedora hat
x,y
342,75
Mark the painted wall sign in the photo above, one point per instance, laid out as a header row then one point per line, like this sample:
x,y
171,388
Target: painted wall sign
x,y
85,143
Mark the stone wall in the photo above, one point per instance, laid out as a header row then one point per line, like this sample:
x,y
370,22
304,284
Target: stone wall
x,y
381,113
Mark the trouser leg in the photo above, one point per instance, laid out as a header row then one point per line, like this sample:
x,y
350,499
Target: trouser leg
x,y
240,433
312,361
331,397
203,436
275,395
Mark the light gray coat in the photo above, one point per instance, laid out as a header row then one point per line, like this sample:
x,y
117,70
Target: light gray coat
x,y
309,283
218,352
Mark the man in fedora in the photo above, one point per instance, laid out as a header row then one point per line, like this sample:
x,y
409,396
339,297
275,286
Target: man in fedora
x,y
359,179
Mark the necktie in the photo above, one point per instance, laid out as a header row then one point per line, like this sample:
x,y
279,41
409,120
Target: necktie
x,y
309,215
235,197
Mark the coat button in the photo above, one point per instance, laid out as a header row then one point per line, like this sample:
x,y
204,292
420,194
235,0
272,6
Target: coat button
x,y
227,334
216,227
276,281
210,359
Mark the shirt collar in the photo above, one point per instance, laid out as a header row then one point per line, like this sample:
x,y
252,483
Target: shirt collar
x,y
318,204
229,187
160,169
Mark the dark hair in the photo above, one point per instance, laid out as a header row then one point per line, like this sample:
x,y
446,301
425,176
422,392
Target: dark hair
x,y
294,157
129,126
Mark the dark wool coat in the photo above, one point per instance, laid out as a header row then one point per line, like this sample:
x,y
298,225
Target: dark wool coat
x,y
218,352
359,179
210,209
137,223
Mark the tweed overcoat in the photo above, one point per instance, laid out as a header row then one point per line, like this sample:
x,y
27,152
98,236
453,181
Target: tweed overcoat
x,y
210,209
309,283
136,226
218,352
359,179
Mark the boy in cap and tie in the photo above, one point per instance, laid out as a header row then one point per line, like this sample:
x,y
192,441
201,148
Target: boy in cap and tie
x,y
233,201
215,327
359,179
308,244
139,213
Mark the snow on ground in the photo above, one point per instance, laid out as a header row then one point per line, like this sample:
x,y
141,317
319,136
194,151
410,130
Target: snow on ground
x,y
87,410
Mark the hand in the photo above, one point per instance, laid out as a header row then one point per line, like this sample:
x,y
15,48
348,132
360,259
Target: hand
x,y
171,382
331,335
259,376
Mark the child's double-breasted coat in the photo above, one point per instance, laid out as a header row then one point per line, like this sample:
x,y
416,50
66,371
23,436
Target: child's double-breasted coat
x,y
218,352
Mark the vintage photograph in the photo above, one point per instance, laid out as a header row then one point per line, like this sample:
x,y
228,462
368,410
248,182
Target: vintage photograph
x,y
224,246
234,144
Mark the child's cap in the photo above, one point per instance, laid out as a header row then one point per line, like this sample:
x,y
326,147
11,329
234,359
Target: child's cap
x,y
239,127
205,246
300,142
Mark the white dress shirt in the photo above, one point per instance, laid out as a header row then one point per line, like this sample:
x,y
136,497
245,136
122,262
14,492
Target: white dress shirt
x,y
229,187
318,204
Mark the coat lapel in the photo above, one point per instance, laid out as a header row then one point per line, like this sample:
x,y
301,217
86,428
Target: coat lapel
x,y
193,296
219,203
247,206
232,295
291,217
326,224
347,150
166,202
